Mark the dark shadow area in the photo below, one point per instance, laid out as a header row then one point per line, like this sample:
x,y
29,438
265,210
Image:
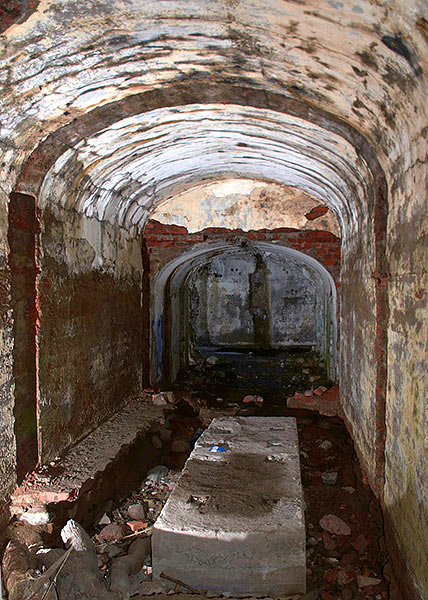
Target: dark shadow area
x,y
23,228
231,373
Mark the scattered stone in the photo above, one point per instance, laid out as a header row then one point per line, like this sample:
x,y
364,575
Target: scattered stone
x,y
349,489
157,473
329,478
312,541
320,390
350,558
170,396
258,400
137,525
333,561
366,581
335,525
111,533
160,399
136,512
219,400
36,516
105,520
212,360
325,445
156,442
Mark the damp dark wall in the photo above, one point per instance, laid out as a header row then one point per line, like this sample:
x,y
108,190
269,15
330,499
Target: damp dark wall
x,y
8,473
90,326
251,299
23,264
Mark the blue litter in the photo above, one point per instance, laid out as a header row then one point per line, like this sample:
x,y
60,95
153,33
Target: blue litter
x,y
217,449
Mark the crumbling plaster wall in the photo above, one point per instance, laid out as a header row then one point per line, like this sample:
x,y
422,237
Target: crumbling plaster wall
x,y
364,63
89,326
246,205
406,489
166,247
256,299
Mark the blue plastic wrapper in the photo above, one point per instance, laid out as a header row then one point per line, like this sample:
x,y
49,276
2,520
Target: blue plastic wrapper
x,y
217,449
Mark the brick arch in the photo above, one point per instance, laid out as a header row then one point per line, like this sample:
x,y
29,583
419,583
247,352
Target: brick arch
x,y
168,337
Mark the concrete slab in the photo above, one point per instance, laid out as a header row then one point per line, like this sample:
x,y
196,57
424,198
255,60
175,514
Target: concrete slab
x,y
78,485
235,520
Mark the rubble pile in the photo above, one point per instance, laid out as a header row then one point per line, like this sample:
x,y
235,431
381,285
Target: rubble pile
x,y
134,517
279,374
346,557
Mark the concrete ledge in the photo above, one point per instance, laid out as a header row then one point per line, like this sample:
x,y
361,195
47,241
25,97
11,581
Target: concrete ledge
x,y
235,521
95,469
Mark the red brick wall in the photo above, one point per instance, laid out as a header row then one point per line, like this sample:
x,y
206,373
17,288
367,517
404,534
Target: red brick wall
x,y
165,242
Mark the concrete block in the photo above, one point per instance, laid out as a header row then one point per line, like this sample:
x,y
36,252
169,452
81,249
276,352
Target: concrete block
x,y
235,520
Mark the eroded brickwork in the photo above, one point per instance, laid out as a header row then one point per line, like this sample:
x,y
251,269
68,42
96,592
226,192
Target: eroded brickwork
x,y
165,242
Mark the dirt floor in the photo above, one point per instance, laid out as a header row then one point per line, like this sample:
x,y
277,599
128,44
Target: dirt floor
x,y
342,563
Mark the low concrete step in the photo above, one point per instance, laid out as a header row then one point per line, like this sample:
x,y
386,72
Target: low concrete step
x,y
77,485
235,520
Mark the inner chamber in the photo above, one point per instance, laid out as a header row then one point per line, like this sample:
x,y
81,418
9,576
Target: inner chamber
x,y
250,310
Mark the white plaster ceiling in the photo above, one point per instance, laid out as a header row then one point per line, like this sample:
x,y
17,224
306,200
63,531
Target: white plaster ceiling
x,y
69,57
124,172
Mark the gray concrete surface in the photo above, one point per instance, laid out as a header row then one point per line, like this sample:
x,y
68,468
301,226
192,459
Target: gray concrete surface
x,y
235,521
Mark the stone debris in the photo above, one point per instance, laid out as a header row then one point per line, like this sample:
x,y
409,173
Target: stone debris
x,y
137,525
160,399
329,478
257,400
212,360
335,525
156,442
111,533
136,511
325,445
36,516
320,390
326,403
157,473
361,543
339,564
367,581
105,520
